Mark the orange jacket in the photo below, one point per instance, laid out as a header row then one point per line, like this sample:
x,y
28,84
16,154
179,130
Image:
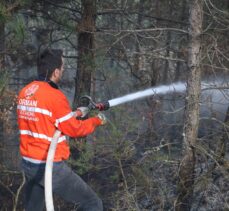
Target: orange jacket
x,y
42,109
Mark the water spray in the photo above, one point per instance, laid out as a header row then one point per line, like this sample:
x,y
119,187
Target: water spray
x,y
163,89
158,90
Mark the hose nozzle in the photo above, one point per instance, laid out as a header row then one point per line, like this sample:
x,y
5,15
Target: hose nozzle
x,y
92,105
102,106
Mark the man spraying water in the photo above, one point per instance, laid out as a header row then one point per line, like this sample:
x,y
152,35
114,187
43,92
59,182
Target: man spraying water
x,y
43,110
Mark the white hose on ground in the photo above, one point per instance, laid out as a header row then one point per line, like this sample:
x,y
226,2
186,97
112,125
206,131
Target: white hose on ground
x,y
48,172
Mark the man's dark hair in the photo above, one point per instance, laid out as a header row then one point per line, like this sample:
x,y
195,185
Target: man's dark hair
x,y
48,61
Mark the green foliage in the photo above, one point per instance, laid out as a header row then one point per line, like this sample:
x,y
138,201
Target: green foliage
x,y
13,21
4,76
64,20
115,177
17,26
141,177
7,9
85,154
3,13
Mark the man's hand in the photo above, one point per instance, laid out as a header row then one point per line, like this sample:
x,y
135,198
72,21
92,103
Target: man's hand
x,y
83,110
102,117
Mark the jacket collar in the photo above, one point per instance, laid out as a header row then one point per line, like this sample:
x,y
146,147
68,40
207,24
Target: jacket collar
x,y
51,83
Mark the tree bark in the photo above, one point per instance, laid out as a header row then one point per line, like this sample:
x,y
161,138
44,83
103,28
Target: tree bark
x,y
180,65
2,49
223,142
138,66
2,44
86,63
187,166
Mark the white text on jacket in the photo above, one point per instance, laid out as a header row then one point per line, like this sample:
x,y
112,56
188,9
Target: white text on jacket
x,y
28,102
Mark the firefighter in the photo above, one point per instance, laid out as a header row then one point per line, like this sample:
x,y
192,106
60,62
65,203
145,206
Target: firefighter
x,y
42,108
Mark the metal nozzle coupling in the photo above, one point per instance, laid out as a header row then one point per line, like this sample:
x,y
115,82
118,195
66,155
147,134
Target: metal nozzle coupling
x,y
103,106
92,105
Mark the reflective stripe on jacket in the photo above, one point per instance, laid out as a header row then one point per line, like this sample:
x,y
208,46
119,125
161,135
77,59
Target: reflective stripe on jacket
x,y
42,109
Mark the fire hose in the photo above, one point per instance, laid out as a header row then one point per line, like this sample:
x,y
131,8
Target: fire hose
x,y
175,87
162,89
48,172
51,153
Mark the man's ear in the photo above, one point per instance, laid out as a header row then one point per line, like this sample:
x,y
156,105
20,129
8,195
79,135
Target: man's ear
x,y
54,75
55,72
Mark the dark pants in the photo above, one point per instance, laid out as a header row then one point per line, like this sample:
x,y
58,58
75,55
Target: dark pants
x,y
66,184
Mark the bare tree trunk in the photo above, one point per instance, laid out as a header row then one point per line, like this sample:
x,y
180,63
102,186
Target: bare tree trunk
x,y
86,64
165,75
180,65
2,49
2,44
8,125
187,166
138,58
222,144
